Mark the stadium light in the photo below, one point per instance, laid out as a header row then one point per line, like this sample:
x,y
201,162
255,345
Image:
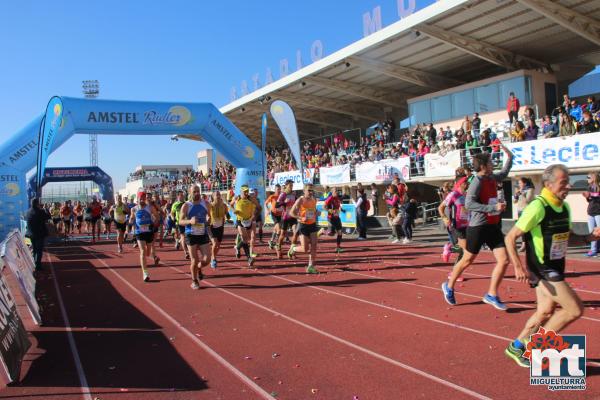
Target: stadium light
x,y
91,88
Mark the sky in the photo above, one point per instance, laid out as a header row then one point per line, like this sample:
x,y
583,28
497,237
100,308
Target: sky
x,y
183,51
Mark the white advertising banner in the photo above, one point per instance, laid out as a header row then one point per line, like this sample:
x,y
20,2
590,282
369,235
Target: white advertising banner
x,y
573,151
281,177
437,165
335,175
383,171
17,256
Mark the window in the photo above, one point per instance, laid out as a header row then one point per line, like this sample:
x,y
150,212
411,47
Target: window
x,y
420,112
486,98
441,108
578,182
463,103
202,161
520,86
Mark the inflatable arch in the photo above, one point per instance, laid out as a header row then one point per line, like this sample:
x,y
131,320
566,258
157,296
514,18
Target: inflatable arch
x,y
66,116
74,174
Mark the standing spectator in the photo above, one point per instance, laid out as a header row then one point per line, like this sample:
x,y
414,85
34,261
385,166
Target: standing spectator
x,y
496,153
476,125
592,195
567,125
588,125
395,219
36,219
531,133
549,128
466,125
431,134
528,114
512,107
485,142
566,104
375,198
410,216
362,208
472,147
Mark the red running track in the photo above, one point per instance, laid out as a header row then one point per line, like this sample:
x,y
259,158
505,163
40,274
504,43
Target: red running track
x,y
372,325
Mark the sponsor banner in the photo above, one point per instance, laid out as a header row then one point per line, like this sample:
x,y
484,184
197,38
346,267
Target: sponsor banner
x,y
13,336
281,177
572,151
48,132
286,121
17,256
383,171
335,175
437,165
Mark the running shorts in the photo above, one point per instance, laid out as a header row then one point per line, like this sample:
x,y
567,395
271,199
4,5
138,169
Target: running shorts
x,y
217,233
288,223
121,226
458,233
336,223
147,237
276,218
477,236
308,229
196,240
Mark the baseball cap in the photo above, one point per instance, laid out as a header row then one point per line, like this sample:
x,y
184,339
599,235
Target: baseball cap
x,y
245,188
253,191
141,193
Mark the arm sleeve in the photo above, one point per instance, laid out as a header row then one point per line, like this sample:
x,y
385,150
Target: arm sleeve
x,y
532,216
500,176
359,202
471,200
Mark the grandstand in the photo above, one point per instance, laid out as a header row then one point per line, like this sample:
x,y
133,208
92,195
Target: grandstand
x,y
452,58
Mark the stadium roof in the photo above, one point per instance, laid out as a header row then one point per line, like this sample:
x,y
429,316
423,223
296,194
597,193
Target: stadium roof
x,y
441,46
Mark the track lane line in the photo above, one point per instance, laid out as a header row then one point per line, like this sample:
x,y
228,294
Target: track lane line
x,y
85,388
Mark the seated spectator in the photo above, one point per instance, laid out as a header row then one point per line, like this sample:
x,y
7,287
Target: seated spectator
x,y
518,132
549,128
567,125
592,105
531,133
588,124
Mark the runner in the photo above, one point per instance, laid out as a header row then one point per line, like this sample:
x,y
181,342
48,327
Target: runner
x,y
66,214
107,218
142,217
258,221
484,226
96,213
130,206
286,201
170,222
155,204
194,216
276,212
55,214
333,205
78,213
87,216
457,219
218,213
180,229
244,210
119,212
305,211
545,226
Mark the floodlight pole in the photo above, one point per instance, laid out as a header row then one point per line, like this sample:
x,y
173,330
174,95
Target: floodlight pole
x,y
91,90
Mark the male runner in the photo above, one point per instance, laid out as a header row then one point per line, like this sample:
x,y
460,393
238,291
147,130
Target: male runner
x,y
155,204
276,212
545,226
142,217
107,218
96,214
119,212
66,213
333,205
194,215
258,221
55,214
286,200
244,210
78,212
484,226
305,212
180,229
218,213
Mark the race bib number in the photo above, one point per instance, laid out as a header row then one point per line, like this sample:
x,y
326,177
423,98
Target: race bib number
x,y
492,202
120,218
144,228
199,229
310,214
247,223
558,248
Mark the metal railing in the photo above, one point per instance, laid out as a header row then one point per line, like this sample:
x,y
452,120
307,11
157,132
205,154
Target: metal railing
x,y
428,212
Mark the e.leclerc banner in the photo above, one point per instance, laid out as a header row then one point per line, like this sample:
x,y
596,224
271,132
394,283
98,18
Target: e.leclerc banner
x,y
52,121
17,256
13,336
284,117
383,171
572,151
281,177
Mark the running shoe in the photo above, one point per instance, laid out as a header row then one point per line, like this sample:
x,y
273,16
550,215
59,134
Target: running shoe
x,y
591,254
213,263
395,241
119,249
254,255
291,252
271,244
446,253
146,277
448,294
251,261
156,261
237,252
517,355
494,301
311,270
405,241
195,285
361,238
